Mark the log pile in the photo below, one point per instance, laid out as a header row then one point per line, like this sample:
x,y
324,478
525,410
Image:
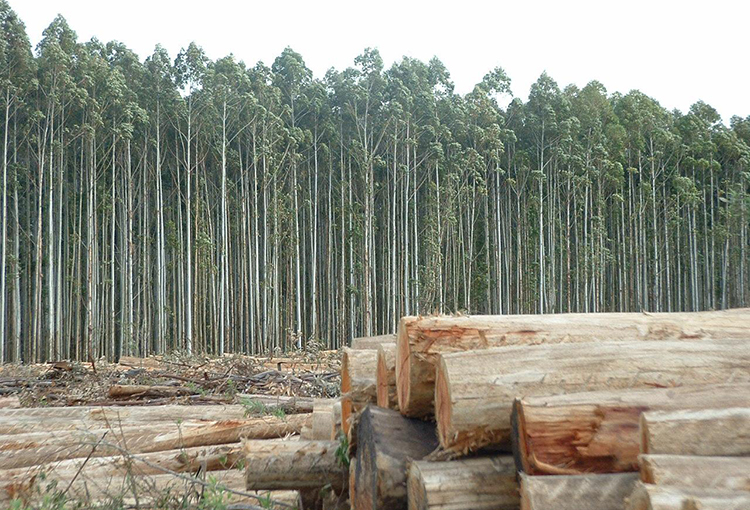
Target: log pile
x,y
575,411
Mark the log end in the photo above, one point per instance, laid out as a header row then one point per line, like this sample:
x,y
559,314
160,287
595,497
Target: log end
x,y
403,360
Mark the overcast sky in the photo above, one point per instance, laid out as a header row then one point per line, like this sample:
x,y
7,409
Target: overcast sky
x,y
676,51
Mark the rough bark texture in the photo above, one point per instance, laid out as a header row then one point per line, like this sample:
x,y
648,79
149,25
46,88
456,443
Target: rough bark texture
x,y
475,390
358,382
656,497
386,377
16,482
731,473
577,492
387,441
475,484
421,339
282,464
598,432
118,391
372,342
169,438
697,432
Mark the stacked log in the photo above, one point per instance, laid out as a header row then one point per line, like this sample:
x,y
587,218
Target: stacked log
x,y
657,497
576,492
387,395
729,473
421,340
358,382
598,432
475,390
284,464
487,483
372,342
387,441
697,432
142,439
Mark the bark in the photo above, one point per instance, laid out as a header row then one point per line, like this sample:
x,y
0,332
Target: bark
x,y
387,395
387,441
421,340
656,497
730,473
358,382
697,432
169,437
598,432
118,391
578,492
475,390
282,464
476,484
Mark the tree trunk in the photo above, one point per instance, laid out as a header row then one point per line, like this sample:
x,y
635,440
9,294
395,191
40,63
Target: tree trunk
x,y
730,473
358,383
283,464
386,442
656,497
475,390
697,432
421,340
386,377
476,484
597,432
580,492
322,420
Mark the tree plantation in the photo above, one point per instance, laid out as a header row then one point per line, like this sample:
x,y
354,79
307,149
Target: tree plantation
x,y
214,206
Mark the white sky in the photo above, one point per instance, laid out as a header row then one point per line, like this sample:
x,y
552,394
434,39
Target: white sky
x,y
675,51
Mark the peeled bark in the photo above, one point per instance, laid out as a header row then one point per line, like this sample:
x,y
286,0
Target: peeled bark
x,y
657,497
386,377
358,382
421,339
298,465
697,432
386,443
475,390
598,432
578,492
476,484
15,482
169,438
730,473
372,342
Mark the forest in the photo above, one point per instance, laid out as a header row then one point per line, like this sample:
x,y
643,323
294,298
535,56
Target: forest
x,y
211,206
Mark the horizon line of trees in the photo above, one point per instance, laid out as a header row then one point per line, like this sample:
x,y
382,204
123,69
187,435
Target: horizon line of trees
x,y
210,206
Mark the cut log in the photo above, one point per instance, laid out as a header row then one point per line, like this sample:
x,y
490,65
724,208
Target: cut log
x,y
280,464
16,482
475,390
598,432
730,473
386,442
118,391
576,492
352,478
322,419
476,484
290,405
372,342
421,339
169,438
697,432
358,382
657,497
386,377
336,422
